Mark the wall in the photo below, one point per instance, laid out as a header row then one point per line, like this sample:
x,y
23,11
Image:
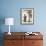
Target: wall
x,y
11,8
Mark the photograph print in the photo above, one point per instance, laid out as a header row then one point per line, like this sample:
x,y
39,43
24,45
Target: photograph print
x,y
27,15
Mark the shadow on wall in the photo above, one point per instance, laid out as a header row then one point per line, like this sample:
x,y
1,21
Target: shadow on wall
x,y
2,21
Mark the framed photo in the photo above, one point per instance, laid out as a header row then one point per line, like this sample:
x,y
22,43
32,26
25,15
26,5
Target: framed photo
x,y
27,15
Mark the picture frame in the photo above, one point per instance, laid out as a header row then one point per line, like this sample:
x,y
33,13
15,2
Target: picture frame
x,y
27,15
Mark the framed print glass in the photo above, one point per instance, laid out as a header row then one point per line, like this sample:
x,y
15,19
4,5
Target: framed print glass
x,y
27,15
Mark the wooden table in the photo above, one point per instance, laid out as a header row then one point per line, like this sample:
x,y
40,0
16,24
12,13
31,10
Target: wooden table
x,y
20,39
